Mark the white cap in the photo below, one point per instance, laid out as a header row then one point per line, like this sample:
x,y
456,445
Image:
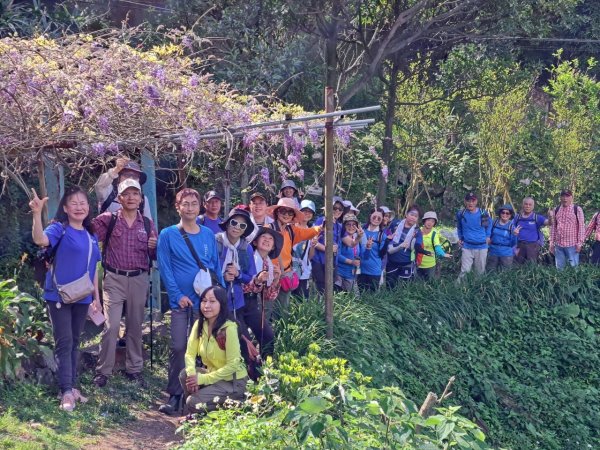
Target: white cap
x,y
128,183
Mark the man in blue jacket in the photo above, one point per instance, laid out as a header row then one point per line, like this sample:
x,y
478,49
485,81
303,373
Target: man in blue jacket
x,y
474,227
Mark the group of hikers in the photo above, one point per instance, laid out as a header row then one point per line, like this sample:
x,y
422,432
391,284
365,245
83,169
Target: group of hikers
x,y
228,277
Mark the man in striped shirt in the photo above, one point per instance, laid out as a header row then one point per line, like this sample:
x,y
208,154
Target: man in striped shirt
x,y
567,232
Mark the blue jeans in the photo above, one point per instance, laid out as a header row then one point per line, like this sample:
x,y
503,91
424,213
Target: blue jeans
x,y
563,255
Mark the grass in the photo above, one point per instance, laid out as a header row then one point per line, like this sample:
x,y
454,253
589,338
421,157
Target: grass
x,y
31,419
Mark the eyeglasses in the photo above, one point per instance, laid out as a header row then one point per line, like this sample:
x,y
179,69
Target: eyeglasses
x,y
337,208
505,213
376,218
187,205
286,212
236,224
350,224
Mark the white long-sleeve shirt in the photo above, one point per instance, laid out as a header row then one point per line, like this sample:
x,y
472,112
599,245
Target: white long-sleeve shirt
x,y
104,187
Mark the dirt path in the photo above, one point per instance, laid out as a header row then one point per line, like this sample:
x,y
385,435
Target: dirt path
x,y
151,431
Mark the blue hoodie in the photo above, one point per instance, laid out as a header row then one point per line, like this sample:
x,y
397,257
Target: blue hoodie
x,y
503,240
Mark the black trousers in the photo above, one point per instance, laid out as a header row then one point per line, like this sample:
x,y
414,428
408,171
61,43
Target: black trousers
x,y
303,289
250,316
318,276
67,324
368,282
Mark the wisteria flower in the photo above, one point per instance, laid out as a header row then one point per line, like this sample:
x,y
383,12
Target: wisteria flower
x,y
343,134
103,124
264,173
99,148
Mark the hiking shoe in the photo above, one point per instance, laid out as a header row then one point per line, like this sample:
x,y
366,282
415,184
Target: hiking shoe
x,y
137,377
100,380
173,406
67,402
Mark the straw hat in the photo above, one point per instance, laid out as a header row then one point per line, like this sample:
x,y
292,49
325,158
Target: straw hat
x,y
286,203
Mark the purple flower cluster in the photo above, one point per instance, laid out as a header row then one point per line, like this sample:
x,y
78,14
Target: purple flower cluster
x,y
313,135
264,173
191,140
159,74
103,124
343,134
153,94
120,101
99,148
250,138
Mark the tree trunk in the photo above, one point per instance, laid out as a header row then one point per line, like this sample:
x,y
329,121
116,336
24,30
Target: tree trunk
x,y
388,143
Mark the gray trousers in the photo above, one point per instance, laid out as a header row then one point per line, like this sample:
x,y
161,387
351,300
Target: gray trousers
x,y
117,291
470,258
499,262
208,398
181,325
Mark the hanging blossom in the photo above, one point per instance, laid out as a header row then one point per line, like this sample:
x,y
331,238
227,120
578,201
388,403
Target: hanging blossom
x,y
250,138
103,124
264,173
191,140
313,135
153,94
300,174
343,134
68,116
99,148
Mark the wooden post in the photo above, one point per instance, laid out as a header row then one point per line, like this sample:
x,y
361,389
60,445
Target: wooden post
x,y
43,191
329,186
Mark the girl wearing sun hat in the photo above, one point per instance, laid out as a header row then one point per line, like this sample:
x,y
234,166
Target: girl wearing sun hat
x,y
426,264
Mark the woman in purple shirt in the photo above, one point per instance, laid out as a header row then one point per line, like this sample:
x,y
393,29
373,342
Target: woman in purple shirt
x,y
76,253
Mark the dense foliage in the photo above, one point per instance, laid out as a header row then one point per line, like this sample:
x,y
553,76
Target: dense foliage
x,y
314,403
523,345
23,323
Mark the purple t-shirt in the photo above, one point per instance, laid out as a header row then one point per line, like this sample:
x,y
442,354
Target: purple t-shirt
x,y
529,227
213,224
70,259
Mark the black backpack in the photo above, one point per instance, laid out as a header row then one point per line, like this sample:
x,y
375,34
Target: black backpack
x,y
575,207
109,231
43,259
518,219
485,216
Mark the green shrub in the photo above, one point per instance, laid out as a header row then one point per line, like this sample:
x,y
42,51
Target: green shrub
x,y
310,402
23,322
522,343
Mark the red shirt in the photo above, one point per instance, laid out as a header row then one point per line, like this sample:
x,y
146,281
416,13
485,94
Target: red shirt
x,y
567,229
128,246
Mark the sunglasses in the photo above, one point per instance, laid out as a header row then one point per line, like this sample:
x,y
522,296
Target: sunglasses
x,y
337,208
235,224
286,212
504,213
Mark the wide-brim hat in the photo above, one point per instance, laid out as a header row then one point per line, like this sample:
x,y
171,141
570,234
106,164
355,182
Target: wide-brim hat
x,y
286,203
135,167
277,237
430,215
288,183
385,209
508,208
239,212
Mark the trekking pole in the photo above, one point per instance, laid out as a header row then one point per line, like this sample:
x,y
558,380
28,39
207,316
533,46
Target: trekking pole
x,y
151,322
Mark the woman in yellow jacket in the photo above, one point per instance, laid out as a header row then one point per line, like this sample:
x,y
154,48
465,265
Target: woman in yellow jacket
x,y
214,337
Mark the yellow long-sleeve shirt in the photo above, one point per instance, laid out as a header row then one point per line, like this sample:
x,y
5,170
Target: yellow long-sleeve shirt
x,y
220,364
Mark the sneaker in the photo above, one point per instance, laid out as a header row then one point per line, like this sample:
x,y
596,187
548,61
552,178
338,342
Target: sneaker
x,y
100,380
67,402
137,377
